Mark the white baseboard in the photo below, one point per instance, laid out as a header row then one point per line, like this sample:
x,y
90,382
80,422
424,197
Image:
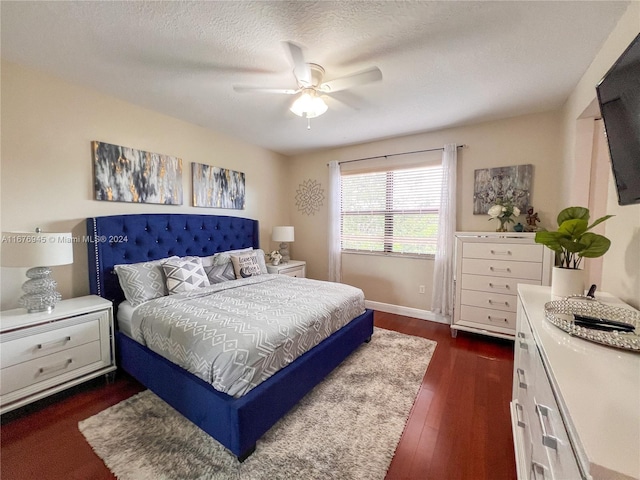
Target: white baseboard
x,y
407,311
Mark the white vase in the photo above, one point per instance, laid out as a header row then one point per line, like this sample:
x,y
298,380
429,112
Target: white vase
x,y
567,281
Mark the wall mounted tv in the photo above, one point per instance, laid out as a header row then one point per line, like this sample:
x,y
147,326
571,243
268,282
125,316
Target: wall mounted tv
x,y
619,99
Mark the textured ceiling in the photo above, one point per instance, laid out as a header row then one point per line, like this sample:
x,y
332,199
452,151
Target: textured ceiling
x,y
444,63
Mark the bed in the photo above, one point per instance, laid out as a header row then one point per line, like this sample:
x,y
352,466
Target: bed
x,y
236,422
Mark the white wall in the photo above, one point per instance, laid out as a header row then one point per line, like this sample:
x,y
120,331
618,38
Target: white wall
x,y
531,139
621,264
46,165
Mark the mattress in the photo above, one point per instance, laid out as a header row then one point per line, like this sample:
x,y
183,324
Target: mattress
x,y
236,334
124,316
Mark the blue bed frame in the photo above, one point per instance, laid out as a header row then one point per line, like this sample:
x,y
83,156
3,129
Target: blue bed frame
x,y
237,423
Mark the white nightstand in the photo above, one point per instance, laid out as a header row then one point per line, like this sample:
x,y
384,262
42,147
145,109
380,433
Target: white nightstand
x,y
294,268
44,353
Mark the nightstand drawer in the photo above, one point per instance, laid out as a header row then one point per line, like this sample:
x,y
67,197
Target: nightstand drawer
x,y
503,268
503,251
293,272
35,346
34,371
294,268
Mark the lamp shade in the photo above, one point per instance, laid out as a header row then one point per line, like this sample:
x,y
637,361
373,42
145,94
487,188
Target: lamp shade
x,y
31,249
309,105
282,234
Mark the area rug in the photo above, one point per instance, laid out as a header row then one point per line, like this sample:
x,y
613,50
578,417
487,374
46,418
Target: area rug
x,y
347,427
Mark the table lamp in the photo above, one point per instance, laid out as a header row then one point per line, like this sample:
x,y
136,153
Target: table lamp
x,y
22,249
283,235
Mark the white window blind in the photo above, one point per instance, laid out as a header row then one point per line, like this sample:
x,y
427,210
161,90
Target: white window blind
x,y
391,211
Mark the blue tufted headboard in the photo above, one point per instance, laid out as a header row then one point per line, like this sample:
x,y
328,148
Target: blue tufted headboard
x,y
137,238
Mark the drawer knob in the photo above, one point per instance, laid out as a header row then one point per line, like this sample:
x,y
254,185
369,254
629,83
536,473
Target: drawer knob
x,y
538,471
507,287
491,318
54,368
519,416
53,343
495,269
522,383
548,440
493,302
501,252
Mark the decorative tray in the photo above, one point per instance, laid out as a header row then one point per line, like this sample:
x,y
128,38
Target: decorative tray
x,y
561,314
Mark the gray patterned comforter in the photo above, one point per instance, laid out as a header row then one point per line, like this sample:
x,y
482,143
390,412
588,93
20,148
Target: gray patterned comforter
x,y
237,334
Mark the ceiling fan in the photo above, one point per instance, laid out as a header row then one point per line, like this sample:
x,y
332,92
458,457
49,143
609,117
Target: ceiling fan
x,y
311,88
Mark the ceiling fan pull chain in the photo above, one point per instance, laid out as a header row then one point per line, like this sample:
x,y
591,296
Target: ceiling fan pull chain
x,y
308,123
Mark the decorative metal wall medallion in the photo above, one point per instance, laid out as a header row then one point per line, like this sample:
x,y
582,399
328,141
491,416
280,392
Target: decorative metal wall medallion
x,y
309,197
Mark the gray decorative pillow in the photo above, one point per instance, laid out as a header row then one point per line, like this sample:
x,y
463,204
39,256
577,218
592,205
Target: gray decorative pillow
x,y
246,265
184,275
219,268
143,281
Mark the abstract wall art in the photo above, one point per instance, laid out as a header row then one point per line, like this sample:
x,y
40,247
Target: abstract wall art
x,y
309,197
507,184
123,174
217,187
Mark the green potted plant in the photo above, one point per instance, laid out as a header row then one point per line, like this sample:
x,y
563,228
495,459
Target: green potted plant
x,y
572,242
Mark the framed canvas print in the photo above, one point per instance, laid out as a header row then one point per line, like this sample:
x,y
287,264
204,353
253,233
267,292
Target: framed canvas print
x,y
123,174
502,184
217,187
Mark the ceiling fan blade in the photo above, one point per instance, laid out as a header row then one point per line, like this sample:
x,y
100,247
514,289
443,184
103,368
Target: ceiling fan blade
x,y
286,91
300,68
370,75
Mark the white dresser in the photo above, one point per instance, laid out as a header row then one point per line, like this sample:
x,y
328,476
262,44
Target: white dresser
x,y
44,353
489,266
575,407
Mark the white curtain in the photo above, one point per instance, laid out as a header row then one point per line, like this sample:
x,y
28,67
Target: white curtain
x,y
335,257
442,299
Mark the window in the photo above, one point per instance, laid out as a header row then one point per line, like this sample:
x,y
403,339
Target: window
x,y
391,211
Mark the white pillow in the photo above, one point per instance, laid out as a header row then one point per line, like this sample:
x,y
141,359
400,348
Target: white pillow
x,y
184,274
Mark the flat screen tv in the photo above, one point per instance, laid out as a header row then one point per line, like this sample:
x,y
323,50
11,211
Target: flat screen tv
x,y
619,99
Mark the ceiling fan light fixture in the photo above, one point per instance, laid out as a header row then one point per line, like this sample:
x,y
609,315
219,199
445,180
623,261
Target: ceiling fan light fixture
x,y
309,105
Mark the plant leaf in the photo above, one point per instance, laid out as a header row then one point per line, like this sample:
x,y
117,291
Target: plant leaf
x,y
573,228
594,245
571,245
550,240
573,213
599,221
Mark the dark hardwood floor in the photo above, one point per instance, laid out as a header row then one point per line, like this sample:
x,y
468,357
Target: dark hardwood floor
x,y
459,427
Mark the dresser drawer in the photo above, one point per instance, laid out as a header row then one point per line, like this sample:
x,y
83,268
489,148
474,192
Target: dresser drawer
x,y
39,345
503,251
485,283
502,268
486,316
495,301
28,373
551,446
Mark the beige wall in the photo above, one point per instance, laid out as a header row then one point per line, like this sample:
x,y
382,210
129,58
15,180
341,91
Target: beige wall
x,y
46,168
621,265
530,139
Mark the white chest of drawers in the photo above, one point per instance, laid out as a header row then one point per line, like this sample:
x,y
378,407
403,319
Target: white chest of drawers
x,y
575,408
44,353
488,269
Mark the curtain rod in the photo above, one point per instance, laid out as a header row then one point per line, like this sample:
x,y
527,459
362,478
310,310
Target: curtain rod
x,y
396,154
